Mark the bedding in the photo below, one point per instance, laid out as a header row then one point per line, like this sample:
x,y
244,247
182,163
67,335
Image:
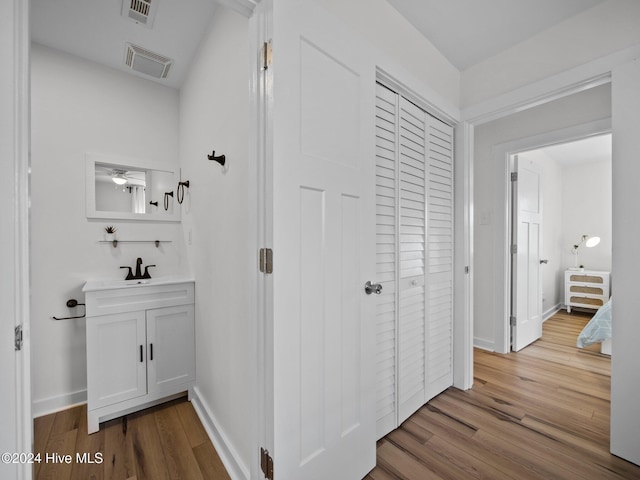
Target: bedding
x,y
598,329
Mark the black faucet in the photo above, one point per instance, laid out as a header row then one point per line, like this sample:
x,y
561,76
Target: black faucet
x,y
138,275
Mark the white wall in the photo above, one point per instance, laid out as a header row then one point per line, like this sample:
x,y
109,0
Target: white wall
x,y
552,231
399,45
586,198
214,115
79,106
599,31
490,209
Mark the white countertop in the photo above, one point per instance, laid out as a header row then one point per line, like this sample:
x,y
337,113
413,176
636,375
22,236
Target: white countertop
x,y
110,284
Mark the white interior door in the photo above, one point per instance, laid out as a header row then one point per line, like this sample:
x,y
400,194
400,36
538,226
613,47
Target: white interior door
x,y
323,247
526,290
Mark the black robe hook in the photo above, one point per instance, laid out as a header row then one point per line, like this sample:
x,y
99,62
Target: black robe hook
x,y
220,158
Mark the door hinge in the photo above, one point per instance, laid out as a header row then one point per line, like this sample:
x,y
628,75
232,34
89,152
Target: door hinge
x,y
466,269
266,55
266,260
514,249
266,463
514,176
512,320
18,337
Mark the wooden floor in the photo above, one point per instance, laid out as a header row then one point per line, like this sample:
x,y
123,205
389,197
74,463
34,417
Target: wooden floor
x,y
164,442
540,413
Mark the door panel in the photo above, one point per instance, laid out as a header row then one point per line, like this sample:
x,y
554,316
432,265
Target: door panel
x,y
170,347
414,258
323,243
527,281
116,358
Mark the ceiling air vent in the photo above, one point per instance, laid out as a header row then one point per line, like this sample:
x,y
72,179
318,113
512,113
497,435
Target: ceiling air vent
x,y
144,61
140,11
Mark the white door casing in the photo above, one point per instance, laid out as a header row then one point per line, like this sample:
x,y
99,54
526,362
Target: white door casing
x,y
15,401
323,248
526,303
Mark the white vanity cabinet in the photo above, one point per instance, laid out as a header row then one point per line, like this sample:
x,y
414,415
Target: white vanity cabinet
x,y
585,289
140,346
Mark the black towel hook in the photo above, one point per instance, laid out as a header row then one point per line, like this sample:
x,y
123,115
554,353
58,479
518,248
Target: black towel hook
x,y
180,190
220,158
166,199
72,303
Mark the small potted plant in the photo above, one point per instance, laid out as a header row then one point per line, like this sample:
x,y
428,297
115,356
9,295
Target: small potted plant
x,y
110,233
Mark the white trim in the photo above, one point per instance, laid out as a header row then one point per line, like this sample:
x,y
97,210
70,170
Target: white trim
x,y
430,101
22,124
58,403
243,7
502,204
463,257
550,312
484,344
577,79
230,457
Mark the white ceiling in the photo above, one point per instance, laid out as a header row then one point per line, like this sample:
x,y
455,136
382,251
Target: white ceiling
x,y
590,149
95,29
470,31
465,31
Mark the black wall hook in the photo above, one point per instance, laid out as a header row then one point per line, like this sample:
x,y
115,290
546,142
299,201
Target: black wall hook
x,y
166,199
153,203
220,158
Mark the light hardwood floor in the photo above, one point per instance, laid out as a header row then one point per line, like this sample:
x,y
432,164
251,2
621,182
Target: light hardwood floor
x,y
540,413
163,442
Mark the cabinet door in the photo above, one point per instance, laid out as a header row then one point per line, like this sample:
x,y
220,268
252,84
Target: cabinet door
x,y
171,347
116,364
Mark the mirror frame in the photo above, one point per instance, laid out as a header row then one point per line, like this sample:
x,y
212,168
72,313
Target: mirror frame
x,y
91,158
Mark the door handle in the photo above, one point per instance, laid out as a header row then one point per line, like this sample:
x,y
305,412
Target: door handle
x,y
544,261
370,288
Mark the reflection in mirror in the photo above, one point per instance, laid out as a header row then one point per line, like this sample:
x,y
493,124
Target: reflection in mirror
x,y
129,191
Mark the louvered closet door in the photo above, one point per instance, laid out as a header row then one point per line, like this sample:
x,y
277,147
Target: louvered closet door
x,y
414,258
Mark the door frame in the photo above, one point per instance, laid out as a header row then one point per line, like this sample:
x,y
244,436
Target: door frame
x,y
501,155
15,208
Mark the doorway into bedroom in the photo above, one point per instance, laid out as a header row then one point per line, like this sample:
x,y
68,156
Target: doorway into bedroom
x,y
560,203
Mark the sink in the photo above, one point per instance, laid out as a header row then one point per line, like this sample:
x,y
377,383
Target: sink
x,y
109,284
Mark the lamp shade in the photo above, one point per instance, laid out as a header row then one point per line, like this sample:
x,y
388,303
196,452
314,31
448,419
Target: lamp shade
x,y
592,242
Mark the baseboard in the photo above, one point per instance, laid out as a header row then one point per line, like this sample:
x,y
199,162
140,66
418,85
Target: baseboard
x,y
483,344
235,467
551,312
58,403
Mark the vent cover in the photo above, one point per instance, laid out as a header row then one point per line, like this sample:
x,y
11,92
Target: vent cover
x,y
144,61
140,11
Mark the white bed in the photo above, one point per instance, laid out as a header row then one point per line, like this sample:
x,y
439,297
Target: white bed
x,y
598,330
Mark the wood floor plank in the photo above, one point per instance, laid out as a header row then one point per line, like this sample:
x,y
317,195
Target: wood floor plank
x,y
88,466
403,465
209,462
119,457
191,424
59,444
178,453
41,430
149,457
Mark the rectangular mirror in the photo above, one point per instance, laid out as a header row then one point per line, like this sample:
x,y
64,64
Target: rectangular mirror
x,y
129,189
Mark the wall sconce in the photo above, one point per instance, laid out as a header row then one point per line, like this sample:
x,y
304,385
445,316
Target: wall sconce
x,y
588,242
